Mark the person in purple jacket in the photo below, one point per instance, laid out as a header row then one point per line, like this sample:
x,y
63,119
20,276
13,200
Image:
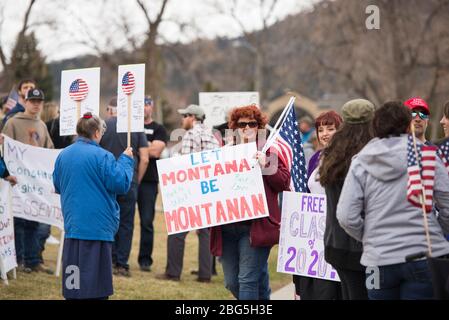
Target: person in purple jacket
x,y
326,124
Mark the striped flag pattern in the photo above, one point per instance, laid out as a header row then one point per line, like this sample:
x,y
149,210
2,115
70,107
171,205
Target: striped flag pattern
x,y
421,173
13,98
78,90
128,83
288,146
443,152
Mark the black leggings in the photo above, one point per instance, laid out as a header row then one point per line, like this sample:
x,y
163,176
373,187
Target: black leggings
x,y
352,284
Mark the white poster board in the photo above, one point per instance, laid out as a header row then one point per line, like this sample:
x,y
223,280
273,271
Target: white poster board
x,y
301,245
217,104
80,93
8,259
211,188
130,90
34,197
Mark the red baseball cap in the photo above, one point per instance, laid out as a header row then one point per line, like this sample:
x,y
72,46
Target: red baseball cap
x,y
417,102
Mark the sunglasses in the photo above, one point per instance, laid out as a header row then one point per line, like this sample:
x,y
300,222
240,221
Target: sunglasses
x,y
251,124
422,115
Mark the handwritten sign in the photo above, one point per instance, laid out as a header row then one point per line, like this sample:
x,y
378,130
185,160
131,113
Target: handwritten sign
x,y
80,93
130,97
301,246
33,198
211,188
8,260
216,105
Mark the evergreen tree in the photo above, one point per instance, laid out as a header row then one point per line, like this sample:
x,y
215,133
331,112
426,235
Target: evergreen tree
x,y
27,62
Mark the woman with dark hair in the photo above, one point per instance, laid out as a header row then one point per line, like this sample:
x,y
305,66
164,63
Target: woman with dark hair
x,y
445,120
340,250
374,208
326,125
244,247
88,178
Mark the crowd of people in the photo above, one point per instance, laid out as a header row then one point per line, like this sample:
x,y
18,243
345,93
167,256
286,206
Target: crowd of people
x,y
358,159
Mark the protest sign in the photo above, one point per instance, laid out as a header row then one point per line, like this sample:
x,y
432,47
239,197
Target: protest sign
x,y
301,246
130,98
217,104
33,198
80,93
8,260
211,188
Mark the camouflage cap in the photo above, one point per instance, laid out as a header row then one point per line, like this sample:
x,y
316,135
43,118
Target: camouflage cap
x,y
358,111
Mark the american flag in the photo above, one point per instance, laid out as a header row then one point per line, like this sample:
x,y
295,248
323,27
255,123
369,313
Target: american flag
x,y
13,98
421,173
128,83
288,146
78,90
443,152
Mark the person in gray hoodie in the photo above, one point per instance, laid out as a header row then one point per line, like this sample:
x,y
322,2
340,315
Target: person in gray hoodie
x,y
373,208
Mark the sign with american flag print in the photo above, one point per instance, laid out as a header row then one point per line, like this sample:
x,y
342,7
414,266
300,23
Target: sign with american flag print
x,y
78,90
130,92
421,173
128,83
80,93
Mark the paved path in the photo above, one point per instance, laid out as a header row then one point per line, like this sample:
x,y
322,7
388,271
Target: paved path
x,y
285,293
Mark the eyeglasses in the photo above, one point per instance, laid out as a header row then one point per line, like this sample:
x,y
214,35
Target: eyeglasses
x,y
251,124
422,115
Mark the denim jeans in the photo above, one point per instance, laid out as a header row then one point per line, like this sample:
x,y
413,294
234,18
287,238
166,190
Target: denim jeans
x,y
403,281
146,202
27,242
121,248
245,268
43,232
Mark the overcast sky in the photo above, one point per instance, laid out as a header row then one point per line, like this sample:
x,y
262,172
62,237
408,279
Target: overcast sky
x,y
96,22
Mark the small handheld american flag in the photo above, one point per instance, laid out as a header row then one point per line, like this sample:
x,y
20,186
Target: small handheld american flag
x,y
421,173
443,152
78,90
128,83
288,146
13,98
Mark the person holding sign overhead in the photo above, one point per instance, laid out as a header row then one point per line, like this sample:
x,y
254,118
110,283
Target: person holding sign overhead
x,y
244,247
88,178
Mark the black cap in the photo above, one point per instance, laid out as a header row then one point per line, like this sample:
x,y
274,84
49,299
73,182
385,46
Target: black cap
x,y
35,94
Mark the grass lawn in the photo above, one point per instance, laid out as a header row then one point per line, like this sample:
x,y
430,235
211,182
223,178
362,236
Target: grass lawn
x,y
141,285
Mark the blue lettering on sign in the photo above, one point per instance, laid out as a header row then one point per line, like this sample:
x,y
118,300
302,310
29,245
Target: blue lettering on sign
x,y
205,157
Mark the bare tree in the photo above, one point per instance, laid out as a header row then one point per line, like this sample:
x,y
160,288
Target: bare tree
x,y
252,40
404,58
152,55
25,26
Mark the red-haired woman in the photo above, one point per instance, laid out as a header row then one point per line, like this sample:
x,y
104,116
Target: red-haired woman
x,y
244,247
326,124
